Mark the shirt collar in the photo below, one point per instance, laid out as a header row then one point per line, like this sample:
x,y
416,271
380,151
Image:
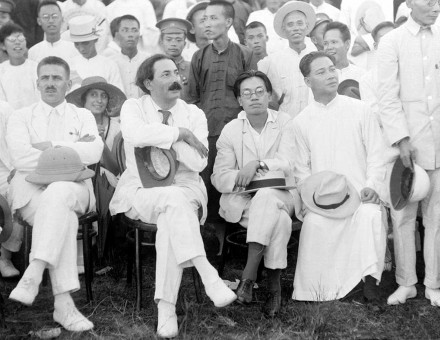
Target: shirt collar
x,y
413,27
47,109
333,102
270,116
157,107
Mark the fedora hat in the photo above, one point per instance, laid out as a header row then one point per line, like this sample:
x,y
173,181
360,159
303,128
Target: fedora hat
x,y
272,179
115,96
368,15
157,167
330,194
82,28
200,6
289,7
59,163
349,88
5,220
407,185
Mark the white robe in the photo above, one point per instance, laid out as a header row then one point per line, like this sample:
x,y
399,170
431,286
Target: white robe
x,y
335,254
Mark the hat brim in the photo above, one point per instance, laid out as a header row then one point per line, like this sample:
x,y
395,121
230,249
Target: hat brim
x,y
89,37
290,7
115,95
281,187
360,13
402,178
200,6
42,179
345,210
5,220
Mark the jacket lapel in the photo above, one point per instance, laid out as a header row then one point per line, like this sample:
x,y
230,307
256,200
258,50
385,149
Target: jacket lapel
x,y
249,147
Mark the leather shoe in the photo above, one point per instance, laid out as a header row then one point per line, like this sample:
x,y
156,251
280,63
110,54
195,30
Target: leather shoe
x,y
402,294
273,304
244,291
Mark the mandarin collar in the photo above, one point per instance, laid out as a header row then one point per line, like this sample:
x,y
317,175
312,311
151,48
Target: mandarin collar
x,y
413,27
329,105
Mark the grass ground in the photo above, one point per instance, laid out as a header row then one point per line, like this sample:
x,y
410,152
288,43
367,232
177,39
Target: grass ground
x,y
115,317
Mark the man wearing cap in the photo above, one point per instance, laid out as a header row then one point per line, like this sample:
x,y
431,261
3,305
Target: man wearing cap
x,y
6,8
409,107
293,21
52,206
160,119
173,32
83,32
317,33
128,58
250,147
340,171
50,20
212,76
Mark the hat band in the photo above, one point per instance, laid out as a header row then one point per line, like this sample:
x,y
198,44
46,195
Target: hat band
x,y
330,206
264,183
93,32
59,171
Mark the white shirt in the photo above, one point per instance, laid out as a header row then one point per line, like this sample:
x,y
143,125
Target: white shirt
x,y
328,9
259,138
128,68
97,66
5,161
18,84
282,68
351,72
61,48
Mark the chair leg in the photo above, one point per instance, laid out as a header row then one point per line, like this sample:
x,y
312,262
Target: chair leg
x,y
27,239
88,266
130,261
2,312
138,270
197,284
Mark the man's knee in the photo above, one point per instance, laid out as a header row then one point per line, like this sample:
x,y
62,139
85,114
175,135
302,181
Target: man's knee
x,y
60,193
266,198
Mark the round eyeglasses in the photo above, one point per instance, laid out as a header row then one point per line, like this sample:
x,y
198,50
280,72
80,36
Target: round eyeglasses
x,y
13,39
47,17
432,2
247,94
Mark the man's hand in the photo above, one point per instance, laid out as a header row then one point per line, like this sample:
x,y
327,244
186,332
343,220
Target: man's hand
x,y
42,145
368,195
407,153
188,137
246,174
87,138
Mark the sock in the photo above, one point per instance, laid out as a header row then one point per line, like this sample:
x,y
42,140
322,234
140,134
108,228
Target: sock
x,y
273,279
5,254
35,270
255,254
205,269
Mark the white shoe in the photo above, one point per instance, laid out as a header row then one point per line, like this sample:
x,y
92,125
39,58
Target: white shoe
x,y
167,320
433,295
71,319
7,269
220,293
402,294
25,292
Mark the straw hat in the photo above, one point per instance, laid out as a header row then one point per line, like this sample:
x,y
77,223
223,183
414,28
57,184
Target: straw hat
x,y
407,185
82,28
115,96
369,14
349,88
59,163
330,194
272,179
5,220
289,7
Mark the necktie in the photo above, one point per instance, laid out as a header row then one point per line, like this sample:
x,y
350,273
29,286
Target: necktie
x,y
54,126
166,115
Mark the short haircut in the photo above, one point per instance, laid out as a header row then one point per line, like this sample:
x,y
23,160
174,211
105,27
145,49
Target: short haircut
x,y
250,74
255,24
126,17
342,28
383,24
52,60
47,3
306,61
146,70
228,9
10,28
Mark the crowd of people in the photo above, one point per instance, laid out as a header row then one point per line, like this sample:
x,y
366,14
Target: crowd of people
x,y
256,113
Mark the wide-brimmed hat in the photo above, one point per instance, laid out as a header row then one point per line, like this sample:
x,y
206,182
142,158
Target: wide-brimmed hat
x,y
350,88
200,6
370,13
330,194
289,7
5,220
407,185
157,167
272,179
115,96
82,28
59,163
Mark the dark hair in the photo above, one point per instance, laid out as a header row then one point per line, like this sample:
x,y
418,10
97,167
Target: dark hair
x,y
306,61
146,70
342,28
52,60
7,29
47,3
114,26
255,24
383,24
250,74
126,17
228,9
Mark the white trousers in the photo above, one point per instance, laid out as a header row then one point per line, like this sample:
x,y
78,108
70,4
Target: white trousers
x,y
404,237
178,239
53,212
268,222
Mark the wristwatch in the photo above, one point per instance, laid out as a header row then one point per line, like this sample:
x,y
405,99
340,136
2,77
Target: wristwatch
x,y
262,166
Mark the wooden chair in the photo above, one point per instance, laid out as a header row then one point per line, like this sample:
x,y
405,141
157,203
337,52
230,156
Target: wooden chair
x,y
5,232
134,236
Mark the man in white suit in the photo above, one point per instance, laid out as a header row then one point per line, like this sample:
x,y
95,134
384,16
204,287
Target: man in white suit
x,y
257,141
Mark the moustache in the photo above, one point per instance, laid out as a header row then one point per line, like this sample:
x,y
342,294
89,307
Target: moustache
x,y
175,86
50,88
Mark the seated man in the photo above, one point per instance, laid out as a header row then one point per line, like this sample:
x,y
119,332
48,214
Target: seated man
x,y
338,246
52,209
257,141
162,120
